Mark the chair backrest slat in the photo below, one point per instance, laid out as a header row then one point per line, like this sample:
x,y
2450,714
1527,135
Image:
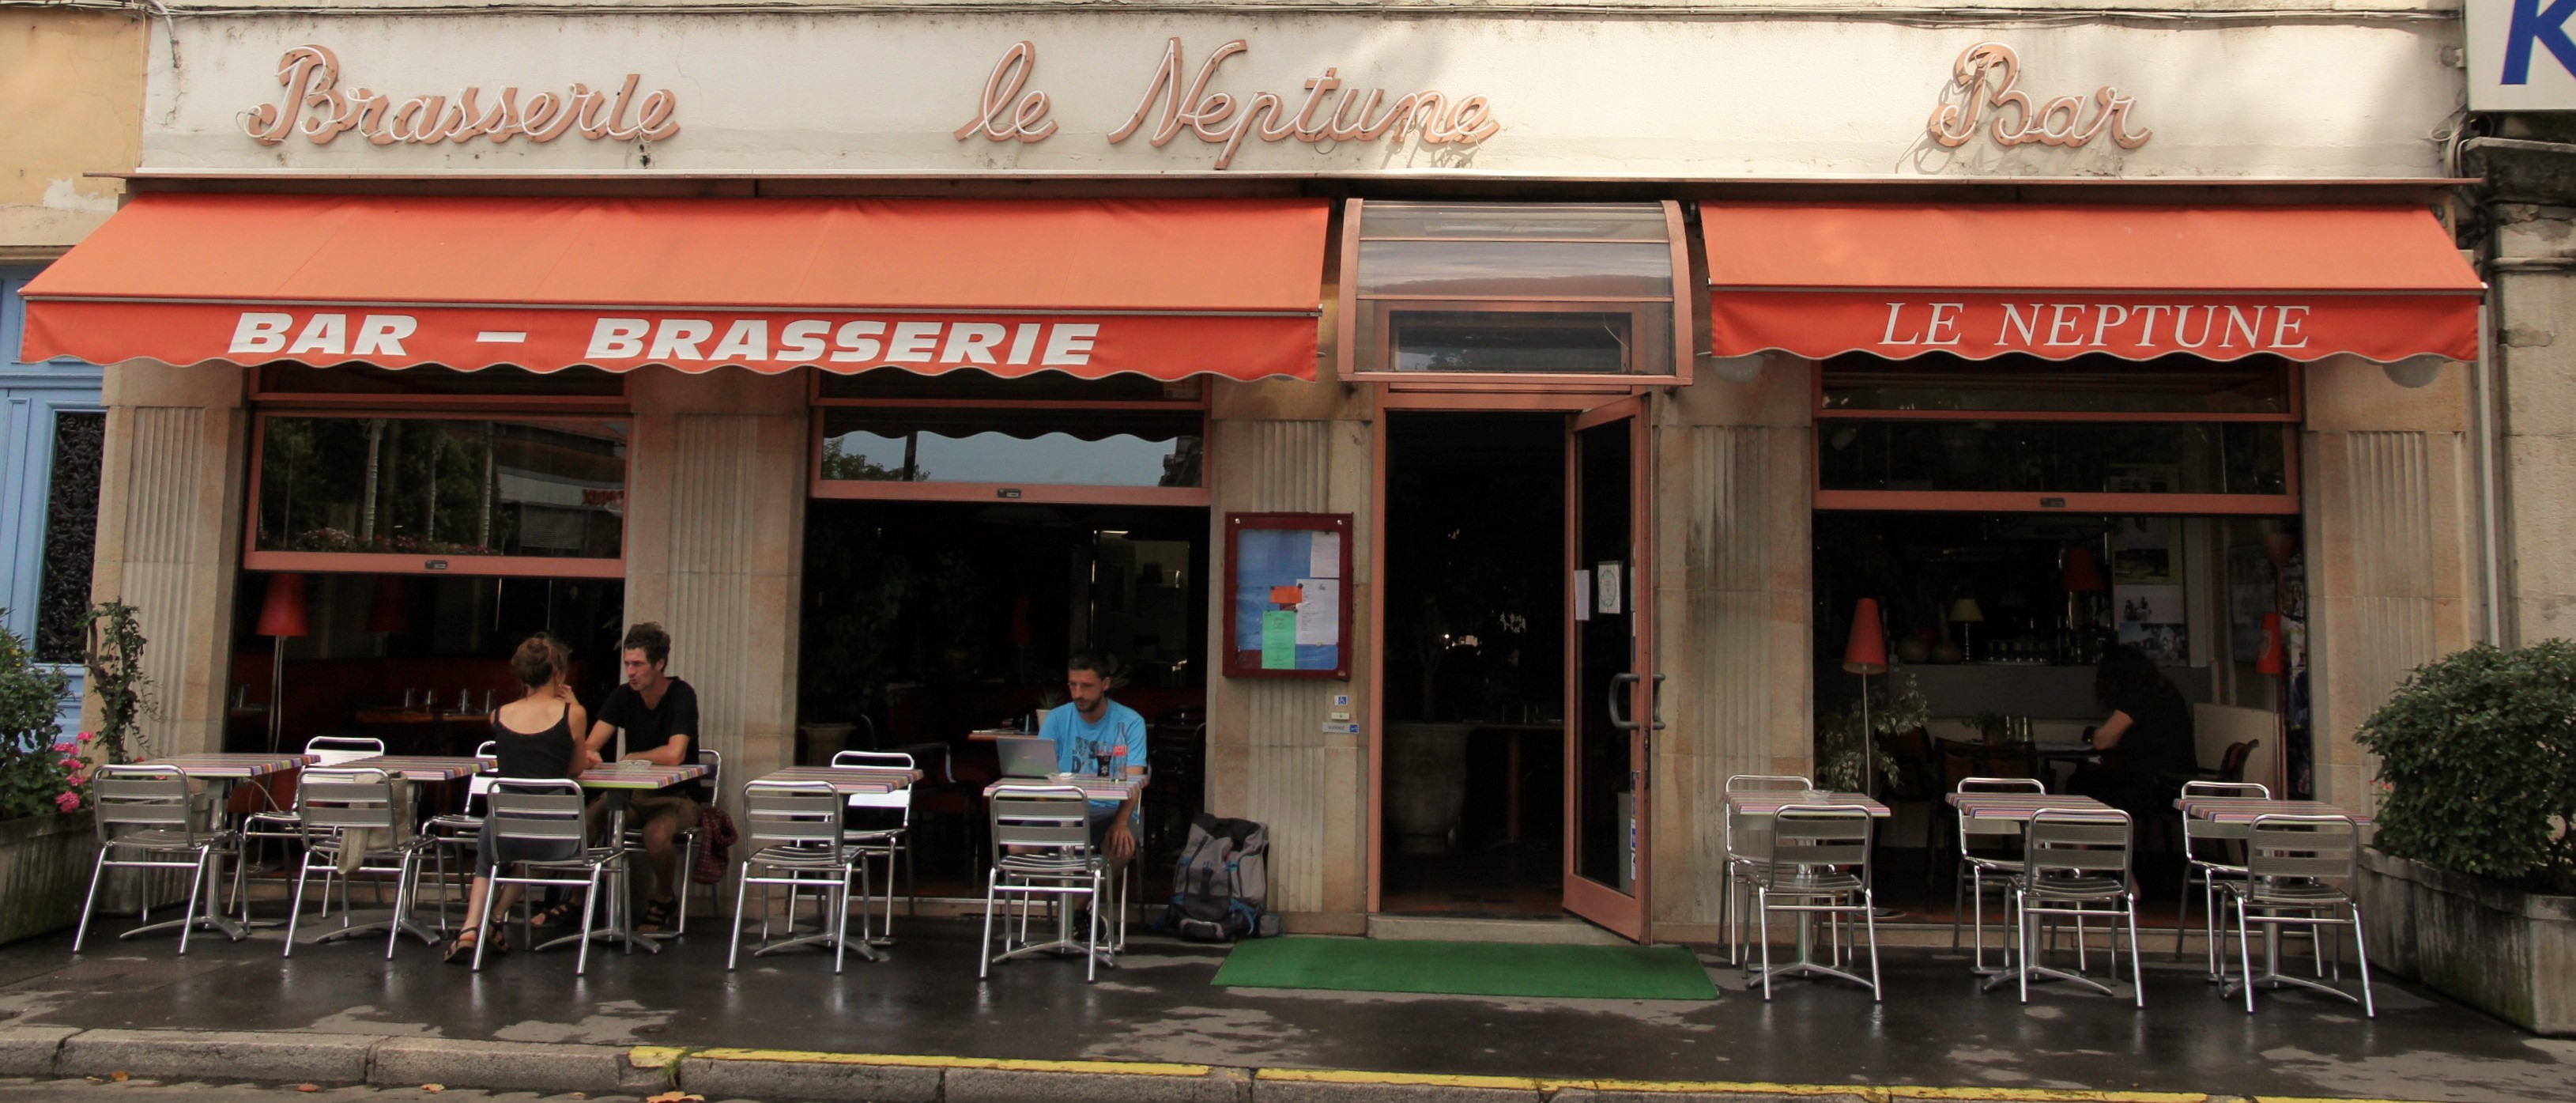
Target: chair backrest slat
x,y
338,799
1812,835
2077,841
798,813
1052,817
2313,847
332,750
535,808
141,796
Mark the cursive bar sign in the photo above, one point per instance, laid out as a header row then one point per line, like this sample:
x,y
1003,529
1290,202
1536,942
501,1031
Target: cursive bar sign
x,y
1991,74
314,105
1326,112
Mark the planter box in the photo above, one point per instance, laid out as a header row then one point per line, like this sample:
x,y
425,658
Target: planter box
x,y
44,871
2507,952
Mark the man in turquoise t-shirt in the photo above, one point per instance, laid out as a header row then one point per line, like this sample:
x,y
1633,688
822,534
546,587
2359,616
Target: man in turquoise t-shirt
x,y
1085,727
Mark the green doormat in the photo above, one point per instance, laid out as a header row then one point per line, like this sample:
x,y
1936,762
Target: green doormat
x,y
1468,968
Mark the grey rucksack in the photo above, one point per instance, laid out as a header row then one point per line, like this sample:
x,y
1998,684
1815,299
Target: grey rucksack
x,y
1221,884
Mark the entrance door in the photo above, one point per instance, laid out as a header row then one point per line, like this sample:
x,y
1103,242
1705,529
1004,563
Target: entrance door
x,y
1610,679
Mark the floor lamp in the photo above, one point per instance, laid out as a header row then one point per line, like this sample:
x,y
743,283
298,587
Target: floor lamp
x,y
1865,654
2274,661
281,614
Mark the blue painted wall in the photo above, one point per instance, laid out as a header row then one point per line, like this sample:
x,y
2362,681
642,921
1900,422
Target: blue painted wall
x,y
30,396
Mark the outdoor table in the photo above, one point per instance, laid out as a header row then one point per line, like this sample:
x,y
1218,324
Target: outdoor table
x,y
1093,787
221,772
1763,804
2233,818
617,782
417,771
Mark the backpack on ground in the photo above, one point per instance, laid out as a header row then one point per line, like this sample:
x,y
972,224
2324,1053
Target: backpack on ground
x,y
1221,884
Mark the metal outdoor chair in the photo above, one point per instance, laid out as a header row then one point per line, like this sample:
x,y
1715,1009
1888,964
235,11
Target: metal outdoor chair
x,y
163,827
461,831
549,810
1747,841
335,809
1976,871
2075,865
792,838
2300,871
1817,863
278,825
2208,871
1041,850
877,839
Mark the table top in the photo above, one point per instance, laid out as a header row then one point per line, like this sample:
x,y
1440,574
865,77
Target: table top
x,y
847,779
2246,809
1770,801
2021,806
242,766
1096,788
638,775
414,767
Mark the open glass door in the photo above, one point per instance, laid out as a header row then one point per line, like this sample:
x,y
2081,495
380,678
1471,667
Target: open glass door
x,y
1610,682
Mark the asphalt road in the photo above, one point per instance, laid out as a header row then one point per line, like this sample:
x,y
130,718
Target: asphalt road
x,y
21,1090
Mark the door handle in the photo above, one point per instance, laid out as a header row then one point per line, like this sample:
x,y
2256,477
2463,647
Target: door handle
x,y
1617,720
1659,703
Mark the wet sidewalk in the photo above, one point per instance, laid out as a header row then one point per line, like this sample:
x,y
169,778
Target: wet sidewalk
x,y
1935,1028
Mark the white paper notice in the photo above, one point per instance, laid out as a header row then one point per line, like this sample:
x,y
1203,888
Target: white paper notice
x,y
1319,616
1582,590
1324,556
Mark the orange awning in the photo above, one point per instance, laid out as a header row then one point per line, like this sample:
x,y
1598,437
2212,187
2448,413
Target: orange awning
x,y
2384,283
1163,288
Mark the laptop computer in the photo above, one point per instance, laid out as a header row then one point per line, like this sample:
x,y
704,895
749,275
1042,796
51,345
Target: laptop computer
x,y
1026,756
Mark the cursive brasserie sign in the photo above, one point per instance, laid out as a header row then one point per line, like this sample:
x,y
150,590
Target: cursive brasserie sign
x,y
314,105
1329,111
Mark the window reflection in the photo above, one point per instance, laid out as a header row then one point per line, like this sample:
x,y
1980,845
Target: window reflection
x,y
1086,448
416,486
2050,457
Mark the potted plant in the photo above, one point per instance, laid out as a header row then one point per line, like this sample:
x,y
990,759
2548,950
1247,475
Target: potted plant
x,y
46,842
2470,883
1896,706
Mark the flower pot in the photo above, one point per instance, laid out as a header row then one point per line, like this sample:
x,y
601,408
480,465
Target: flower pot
x,y
44,871
2499,949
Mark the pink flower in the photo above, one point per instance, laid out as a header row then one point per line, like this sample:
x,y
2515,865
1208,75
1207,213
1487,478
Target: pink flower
x,y
66,746
71,762
86,737
68,802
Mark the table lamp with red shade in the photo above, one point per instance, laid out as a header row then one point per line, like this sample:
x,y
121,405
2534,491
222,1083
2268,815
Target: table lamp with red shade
x,y
282,614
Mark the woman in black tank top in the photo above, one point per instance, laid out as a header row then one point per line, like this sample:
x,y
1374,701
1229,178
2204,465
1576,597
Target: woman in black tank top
x,y
550,753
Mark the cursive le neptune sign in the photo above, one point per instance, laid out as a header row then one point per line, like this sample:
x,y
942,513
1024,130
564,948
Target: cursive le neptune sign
x,y
1331,111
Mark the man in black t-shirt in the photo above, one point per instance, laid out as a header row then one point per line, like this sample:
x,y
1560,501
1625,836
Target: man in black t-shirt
x,y
659,715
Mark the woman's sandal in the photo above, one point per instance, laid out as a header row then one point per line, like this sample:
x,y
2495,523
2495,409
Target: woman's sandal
x,y
460,949
657,917
546,919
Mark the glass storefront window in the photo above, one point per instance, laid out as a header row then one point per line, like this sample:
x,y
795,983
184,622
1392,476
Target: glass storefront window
x,y
969,385
1097,448
357,379
1524,289
553,489
2093,384
2161,457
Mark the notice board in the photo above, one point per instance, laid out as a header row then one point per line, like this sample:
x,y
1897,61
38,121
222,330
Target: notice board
x,y
1288,607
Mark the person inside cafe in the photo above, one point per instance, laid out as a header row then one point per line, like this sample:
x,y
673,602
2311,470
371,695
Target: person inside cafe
x,y
1091,731
659,715
532,737
2146,739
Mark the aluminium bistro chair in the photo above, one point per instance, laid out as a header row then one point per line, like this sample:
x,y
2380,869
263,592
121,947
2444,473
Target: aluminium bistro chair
x,y
876,839
1817,863
2075,865
2212,838
2300,870
549,810
1746,842
1976,871
792,837
459,832
339,809
165,833
1041,850
279,825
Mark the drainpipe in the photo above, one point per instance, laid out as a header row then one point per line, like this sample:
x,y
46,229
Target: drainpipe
x,y
2490,545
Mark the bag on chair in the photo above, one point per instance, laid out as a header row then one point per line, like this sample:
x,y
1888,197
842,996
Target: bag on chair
x,y
1221,884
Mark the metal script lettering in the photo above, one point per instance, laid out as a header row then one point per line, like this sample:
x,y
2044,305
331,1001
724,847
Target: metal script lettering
x,y
313,105
1991,73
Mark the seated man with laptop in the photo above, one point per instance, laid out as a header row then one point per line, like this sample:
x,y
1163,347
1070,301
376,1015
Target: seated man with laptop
x,y
1078,735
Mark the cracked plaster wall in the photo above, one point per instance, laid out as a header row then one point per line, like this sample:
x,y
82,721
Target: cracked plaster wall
x,y
78,77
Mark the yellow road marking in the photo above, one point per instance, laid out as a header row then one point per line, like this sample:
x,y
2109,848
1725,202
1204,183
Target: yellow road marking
x,y
882,1060
653,1057
1426,1079
2048,1095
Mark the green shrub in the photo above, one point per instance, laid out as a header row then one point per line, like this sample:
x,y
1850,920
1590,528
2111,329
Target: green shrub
x,y
37,768
2478,751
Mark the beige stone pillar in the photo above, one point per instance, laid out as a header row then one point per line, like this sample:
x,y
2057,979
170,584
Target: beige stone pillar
x,y
1732,568
2390,497
1282,446
170,508
2535,297
715,538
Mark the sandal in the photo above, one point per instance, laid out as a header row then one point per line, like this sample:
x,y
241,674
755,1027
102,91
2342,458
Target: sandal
x,y
657,917
460,949
558,915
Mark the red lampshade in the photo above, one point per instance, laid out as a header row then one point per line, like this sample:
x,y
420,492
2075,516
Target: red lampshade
x,y
1866,651
2083,576
2272,660
387,614
281,613
1020,632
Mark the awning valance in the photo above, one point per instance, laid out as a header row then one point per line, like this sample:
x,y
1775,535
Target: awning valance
x,y
1978,281
1163,288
